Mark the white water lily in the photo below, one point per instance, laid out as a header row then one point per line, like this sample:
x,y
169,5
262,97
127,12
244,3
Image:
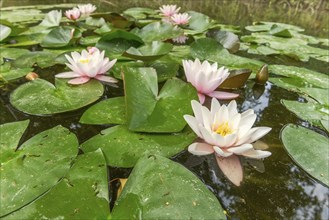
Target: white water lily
x,y
169,10
206,78
89,64
73,14
86,9
226,133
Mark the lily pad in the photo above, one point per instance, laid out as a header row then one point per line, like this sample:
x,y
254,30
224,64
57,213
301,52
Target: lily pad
x,y
159,188
35,167
58,37
122,148
109,111
198,22
7,73
149,52
12,53
40,97
267,26
209,49
118,41
11,133
229,40
165,67
139,13
162,112
304,145
86,180
52,19
158,31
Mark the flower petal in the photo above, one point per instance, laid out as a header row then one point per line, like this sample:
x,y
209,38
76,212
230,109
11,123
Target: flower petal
x,y
202,98
79,80
232,169
257,154
193,123
67,75
240,149
200,149
259,132
106,79
222,153
223,95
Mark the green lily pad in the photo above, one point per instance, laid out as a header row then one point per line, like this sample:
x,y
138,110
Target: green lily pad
x,y
4,32
118,41
308,149
198,22
109,111
165,67
17,15
149,52
58,37
24,40
52,19
7,73
118,68
162,112
41,58
40,97
87,181
122,148
159,188
229,40
280,31
35,167
12,53
209,49
158,31
312,78
11,133
139,13
310,111
267,26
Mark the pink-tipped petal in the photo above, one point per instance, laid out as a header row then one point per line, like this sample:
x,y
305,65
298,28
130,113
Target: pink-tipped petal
x,y
240,149
106,79
232,169
67,75
78,81
223,95
200,149
221,152
257,154
202,98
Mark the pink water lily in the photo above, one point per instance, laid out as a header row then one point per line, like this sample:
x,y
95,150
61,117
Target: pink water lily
x,y
73,14
86,9
169,10
180,19
206,78
87,65
226,133
181,39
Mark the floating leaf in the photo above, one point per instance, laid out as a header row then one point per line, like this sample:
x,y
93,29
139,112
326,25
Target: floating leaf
x,y
40,97
159,188
7,73
229,40
267,26
109,111
58,37
162,112
86,180
139,13
12,53
122,148
52,19
165,67
149,52
118,41
158,31
211,50
198,22
42,58
11,133
35,167
308,149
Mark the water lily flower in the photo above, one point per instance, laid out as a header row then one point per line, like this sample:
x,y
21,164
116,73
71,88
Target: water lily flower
x,y
181,39
73,14
226,133
169,10
180,19
89,64
87,9
206,78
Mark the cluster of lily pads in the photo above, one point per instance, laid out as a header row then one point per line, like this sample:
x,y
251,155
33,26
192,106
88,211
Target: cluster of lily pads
x,y
156,54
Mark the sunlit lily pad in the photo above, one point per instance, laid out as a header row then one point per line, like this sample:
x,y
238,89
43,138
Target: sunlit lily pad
x,y
7,73
267,26
35,167
109,111
87,181
40,97
12,53
139,13
52,19
122,148
165,67
162,111
149,52
309,150
198,22
158,31
159,188
58,37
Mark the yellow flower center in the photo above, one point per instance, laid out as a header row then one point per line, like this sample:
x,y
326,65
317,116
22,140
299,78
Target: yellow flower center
x,y
84,61
224,129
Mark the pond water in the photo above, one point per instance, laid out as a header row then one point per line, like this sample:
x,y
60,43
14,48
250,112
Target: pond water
x,y
276,188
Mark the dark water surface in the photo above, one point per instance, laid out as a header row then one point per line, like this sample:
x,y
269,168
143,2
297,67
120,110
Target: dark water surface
x,y
275,188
